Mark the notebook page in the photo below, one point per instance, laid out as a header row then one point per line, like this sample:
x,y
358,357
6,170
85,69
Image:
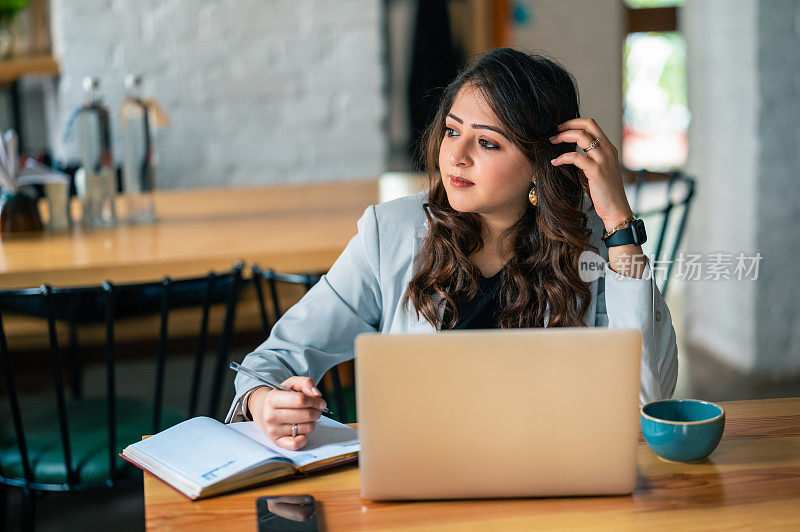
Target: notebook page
x,y
329,439
203,450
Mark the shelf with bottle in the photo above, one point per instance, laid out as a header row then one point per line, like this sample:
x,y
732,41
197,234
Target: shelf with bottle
x,y
17,67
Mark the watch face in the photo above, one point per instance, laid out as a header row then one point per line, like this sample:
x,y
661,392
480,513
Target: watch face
x,y
639,234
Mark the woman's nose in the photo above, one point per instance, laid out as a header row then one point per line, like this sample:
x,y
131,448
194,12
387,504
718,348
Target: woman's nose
x,y
459,155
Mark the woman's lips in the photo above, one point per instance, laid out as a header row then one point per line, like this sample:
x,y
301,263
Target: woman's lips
x,y
458,182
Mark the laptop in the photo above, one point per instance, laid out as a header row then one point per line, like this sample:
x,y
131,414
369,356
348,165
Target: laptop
x,y
490,413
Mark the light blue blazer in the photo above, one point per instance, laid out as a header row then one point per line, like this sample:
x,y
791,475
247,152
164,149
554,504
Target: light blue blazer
x,y
363,290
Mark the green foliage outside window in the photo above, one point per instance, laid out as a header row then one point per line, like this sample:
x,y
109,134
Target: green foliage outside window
x,y
10,8
638,4
673,75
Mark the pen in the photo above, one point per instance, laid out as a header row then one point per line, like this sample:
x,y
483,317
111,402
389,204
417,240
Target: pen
x,y
253,375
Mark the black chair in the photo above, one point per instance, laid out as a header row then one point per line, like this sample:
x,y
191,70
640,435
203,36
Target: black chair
x,y
72,443
339,405
663,201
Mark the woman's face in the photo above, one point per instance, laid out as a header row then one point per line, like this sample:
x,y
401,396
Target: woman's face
x,y
474,149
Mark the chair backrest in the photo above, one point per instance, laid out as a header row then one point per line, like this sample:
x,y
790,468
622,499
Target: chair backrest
x,y
663,200
108,303
273,280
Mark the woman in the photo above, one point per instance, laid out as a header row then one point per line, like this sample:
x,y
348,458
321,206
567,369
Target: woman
x,y
496,242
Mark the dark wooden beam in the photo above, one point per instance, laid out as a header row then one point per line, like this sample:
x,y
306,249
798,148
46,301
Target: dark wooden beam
x,y
501,23
652,19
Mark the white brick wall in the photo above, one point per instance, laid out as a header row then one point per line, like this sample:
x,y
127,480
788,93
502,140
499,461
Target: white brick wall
x,y
744,93
723,97
259,91
778,298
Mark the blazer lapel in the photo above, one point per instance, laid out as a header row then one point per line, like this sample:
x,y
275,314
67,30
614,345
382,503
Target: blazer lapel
x,y
419,325
589,318
595,224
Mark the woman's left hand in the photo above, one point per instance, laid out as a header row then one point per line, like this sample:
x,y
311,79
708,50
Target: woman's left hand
x,y
601,167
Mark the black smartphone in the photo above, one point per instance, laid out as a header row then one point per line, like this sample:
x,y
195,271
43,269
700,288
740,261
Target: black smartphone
x,y
290,513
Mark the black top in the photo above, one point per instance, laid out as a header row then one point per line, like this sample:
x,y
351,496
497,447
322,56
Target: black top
x,y
480,312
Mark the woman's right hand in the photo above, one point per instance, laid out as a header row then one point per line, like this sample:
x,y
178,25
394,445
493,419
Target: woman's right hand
x,y
275,411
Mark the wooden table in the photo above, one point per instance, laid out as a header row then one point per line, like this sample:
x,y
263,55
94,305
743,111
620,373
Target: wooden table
x,y
751,481
290,228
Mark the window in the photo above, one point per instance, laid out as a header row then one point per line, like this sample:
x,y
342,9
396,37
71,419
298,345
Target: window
x,y
655,112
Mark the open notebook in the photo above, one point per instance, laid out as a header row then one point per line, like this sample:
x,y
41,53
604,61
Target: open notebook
x,y
201,457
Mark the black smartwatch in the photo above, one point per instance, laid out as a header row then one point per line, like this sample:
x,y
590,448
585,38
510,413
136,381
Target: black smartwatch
x,y
633,234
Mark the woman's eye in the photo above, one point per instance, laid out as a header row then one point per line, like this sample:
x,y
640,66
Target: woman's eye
x,y
485,144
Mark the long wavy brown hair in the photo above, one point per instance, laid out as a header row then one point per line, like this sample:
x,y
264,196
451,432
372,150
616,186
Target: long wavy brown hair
x,y
530,94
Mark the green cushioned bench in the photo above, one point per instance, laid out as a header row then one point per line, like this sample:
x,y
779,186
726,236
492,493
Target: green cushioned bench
x,y
88,432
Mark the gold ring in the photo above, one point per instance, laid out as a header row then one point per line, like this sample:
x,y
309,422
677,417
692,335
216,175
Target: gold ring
x,y
593,145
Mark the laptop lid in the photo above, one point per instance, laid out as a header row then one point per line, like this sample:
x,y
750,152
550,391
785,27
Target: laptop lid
x,y
490,413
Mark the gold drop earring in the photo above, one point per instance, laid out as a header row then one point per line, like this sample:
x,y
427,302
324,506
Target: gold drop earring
x,y
532,197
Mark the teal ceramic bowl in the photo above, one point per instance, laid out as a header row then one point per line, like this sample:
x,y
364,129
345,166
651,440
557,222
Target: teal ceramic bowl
x,y
682,430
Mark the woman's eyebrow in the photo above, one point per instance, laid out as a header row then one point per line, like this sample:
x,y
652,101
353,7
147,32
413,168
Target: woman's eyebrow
x,y
478,126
